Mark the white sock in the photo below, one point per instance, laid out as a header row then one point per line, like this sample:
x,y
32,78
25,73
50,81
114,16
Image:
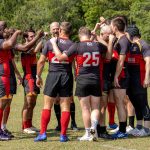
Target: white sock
x,y
87,131
3,126
94,124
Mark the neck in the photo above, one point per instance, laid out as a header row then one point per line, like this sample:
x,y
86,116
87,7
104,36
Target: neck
x,y
84,38
119,34
62,35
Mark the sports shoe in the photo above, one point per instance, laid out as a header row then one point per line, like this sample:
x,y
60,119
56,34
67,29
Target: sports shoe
x,y
63,138
129,129
114,130
7,132
58,128
94,135
119,135
142,133
105,135
74,126
112,126
34,129
134,132
41,137
3,136
28,131
85,137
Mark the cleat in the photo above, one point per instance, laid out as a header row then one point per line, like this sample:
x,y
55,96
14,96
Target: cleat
x,y
58,128
105,135
3,136
7,132
41,137
63,138
129,129
142,133
112,126
114,130
119,135
34,129
93,134
134,132
74,126
85,137
29,131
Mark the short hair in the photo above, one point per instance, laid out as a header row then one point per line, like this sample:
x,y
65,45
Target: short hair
x,y
133,31
54,23
25,34
84,31
119,23
106,28
66,27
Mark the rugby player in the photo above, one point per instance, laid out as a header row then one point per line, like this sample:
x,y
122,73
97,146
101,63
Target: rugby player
x,y
88,88
59,82
29,64
119,76
139,70
5,94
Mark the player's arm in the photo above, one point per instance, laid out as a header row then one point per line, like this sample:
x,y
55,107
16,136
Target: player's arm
x,y
38,47
60,56
110,47
147,73
8,44
29,45
17,72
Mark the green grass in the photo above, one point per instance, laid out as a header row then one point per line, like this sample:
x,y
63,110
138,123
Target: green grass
x,y
25,142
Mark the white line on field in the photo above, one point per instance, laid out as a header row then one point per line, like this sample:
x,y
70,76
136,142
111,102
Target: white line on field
x,y
116,147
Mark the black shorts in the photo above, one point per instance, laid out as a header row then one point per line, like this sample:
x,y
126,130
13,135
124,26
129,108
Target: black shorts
x,y
84,89
29,84
59,83
13,85
106,86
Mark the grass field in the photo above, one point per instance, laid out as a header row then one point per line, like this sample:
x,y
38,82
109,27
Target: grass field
x,y
25,142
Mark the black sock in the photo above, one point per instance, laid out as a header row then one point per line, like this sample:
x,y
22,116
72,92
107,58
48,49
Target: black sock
x,y
122,126
57,113
102,129
131,121
72,111
98,129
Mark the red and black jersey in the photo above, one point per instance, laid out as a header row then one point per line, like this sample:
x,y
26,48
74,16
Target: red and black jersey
x,y
29,64
4,61
121,47
88,58
136,64
55,65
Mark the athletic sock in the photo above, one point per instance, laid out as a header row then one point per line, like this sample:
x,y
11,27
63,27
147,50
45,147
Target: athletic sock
x,y
1,116
139,126
45,118
57,113
122,127
72,113
65,117
26,124
87,131
98,129
111,112
94,123
131,121
3,126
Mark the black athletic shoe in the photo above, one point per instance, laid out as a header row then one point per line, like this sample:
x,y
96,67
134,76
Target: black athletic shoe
x,y
7,132
105,135
74,126
58,128
3,136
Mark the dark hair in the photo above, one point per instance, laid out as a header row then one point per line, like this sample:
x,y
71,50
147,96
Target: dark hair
x,y
66,27
119,23
84,31
133,31
25,34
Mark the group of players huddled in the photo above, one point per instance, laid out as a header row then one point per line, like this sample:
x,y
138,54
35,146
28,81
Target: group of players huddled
x,y
111,67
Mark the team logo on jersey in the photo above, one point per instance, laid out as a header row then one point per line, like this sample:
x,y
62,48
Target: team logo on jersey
x,y
89,44
62,41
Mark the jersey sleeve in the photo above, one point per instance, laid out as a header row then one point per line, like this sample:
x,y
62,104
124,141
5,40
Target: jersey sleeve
x,y
1,44
47,47
72,50
145,49
124,46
